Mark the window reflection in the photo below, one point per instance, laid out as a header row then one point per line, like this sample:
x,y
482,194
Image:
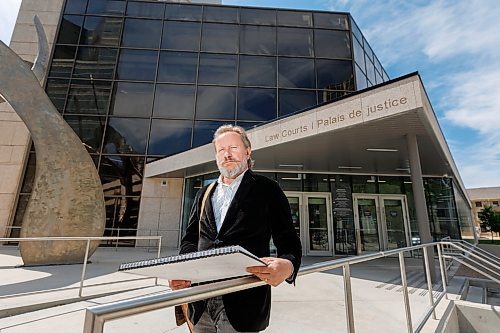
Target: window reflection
x,y
101,31
137,65
215,103
334,74
57,90
89,129
219,38
121,175
331,21
88,97
71,26
62,61
132,99
169,137
256,104
122,215
183,12
174,101
106,7
217,69
296,73
295,18
257,71
126,136
359,54
141,33
293,41
96,63
258,16
145,9
294,100
181,36
177,67
220,14
204,131
332,44
257,39
75,6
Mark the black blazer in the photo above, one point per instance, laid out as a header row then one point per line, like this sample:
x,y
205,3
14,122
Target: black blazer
x,y
259,211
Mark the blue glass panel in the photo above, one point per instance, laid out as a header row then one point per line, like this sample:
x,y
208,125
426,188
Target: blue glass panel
x,y
126,136
257,39
181,36
256,104
295,41
294,100
183,12
296,73
217,69
71,26
137,65
215,103
174,101
145,9
132,99
141,33
169,137
219,38
177,67
257,71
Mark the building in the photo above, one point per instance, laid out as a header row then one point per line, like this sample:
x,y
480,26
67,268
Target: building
x,y
145,84
482,197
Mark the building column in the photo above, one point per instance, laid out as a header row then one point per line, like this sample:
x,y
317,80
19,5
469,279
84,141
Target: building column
x,y
419,197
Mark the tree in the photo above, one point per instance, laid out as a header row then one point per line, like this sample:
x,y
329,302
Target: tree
x,y
490,220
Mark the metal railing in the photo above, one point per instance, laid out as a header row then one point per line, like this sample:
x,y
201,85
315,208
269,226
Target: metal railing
x,y
87,249
96,316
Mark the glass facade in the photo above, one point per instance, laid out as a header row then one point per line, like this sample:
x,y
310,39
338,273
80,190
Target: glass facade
x,y
141,80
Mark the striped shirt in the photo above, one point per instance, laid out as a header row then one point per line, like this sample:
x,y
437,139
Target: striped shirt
x,y
222,198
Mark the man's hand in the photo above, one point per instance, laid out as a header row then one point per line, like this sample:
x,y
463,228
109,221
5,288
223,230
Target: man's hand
x,y
178,284
276,271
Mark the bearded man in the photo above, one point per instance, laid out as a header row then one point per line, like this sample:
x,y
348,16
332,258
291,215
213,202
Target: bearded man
x,y
248,210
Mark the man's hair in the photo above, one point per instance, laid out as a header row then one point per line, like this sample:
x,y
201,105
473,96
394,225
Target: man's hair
x,y
236,129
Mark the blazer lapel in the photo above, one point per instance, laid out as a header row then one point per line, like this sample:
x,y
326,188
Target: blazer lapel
x,y
209,213
241,193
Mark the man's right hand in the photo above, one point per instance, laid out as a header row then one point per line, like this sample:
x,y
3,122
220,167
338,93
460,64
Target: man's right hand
x,y
178,284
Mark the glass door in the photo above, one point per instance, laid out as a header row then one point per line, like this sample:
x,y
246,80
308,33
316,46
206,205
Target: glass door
x,y
367,224
311,217
395,222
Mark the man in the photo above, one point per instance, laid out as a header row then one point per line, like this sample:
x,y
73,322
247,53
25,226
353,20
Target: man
x,y
243,209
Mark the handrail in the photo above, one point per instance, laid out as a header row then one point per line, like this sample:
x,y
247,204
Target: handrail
x,y
489,256
87,249
96,316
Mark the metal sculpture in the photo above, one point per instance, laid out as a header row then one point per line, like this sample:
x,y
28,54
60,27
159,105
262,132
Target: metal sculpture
x,y
67,197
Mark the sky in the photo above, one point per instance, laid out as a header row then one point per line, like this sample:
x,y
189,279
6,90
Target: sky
x,y
453,44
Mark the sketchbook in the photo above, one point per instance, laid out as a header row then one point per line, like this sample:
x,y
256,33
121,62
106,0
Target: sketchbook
x,y
202,266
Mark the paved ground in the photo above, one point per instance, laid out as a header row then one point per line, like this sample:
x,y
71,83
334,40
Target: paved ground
x,y
45,298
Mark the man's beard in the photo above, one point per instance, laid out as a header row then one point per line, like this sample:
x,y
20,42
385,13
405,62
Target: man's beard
x,y
232,173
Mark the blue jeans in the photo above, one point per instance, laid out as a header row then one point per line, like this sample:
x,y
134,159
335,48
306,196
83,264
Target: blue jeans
x,y
214,318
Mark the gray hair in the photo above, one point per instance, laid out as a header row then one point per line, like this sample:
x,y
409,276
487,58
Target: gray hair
x,y
235,129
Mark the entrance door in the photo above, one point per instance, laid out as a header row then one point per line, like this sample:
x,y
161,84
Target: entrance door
x,y
381,222
311,216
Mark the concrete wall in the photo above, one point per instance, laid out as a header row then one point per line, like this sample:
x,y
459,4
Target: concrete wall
x,y
14,136
160,210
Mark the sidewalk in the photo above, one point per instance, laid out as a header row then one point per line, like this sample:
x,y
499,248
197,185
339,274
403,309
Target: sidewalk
x,y
46,298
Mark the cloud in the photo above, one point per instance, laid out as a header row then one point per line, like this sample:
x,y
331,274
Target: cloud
x,y
8,16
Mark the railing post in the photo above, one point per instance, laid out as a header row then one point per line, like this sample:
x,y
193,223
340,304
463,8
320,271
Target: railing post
x,y
84,267
442,267
404,283
348,298
429,281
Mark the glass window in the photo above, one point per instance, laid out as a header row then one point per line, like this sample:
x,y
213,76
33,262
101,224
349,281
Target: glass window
x,y
441,208
378,66
296,73
122,213
334,74
328,95
332,44
294,100
293,41
132,99
356,32
364,184
71,25
181,36
169,137
385,76
88,97
316,183
106,7
249,124
121,176
220,14
331,21
174,101
215,103
258,16
29,176
219,38
75,6
183,12
98,30
390,185
89,129
257,39
295,18
256,104
137,65
145,9
204,131
62,61
126,136
57,90
217,69
378,77
257,71
96,63
370,71
290,181
141,33
177,67
359,54
479,204
368,50
360,79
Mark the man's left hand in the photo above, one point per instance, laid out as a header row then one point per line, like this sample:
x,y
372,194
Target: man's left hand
x,y
276,271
